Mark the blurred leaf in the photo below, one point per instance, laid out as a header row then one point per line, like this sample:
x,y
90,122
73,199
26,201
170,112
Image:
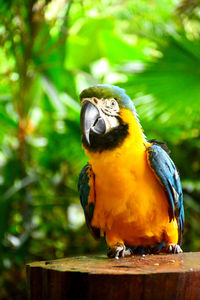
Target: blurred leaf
x,y
99,38
53,96
174,80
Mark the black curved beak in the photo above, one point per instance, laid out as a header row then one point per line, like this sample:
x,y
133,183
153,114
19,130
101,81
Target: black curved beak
x,y
91,122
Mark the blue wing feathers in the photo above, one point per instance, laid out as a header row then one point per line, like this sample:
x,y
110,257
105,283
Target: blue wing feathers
x,y
83,186
86,178
167,173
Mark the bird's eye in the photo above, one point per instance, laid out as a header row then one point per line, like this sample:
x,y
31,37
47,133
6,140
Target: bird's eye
x,y
111,105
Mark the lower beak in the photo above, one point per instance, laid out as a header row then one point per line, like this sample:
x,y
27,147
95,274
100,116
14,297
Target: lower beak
x,y
91,121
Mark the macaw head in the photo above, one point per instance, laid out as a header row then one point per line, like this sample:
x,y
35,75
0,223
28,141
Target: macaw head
x,y
102,124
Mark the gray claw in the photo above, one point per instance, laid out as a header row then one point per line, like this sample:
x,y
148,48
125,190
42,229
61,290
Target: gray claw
x,y
174,248
119,250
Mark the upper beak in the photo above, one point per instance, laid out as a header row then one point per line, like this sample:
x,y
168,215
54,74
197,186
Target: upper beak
x,y
91,120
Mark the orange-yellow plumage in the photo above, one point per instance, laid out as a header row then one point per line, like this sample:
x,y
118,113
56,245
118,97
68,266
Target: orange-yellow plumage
x,y
131,205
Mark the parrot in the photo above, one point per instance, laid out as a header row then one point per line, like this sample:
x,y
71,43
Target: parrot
x,y
130,189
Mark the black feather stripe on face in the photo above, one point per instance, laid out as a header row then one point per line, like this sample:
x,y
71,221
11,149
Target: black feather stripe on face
x,y
109,140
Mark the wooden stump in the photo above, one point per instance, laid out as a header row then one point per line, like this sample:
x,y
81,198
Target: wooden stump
x,y
147,277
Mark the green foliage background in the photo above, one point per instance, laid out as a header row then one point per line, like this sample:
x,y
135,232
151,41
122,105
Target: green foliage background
x,y
49,51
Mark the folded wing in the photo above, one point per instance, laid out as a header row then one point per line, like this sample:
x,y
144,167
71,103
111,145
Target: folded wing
x,y
86,189
166,172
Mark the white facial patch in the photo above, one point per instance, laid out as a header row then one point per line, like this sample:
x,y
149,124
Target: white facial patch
x,y
108,109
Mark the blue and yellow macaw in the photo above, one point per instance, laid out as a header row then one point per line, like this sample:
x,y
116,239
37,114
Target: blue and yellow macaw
x,y
130,189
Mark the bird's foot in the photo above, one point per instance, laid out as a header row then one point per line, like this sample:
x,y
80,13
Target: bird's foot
x,y
119,250
173,248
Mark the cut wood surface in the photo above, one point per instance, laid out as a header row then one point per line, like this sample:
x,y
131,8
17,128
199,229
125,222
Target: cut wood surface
x,y
147,277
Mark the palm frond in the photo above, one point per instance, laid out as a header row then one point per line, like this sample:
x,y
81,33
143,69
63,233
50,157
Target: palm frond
x,y
173,80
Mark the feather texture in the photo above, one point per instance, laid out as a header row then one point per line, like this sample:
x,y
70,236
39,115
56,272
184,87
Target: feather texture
x,y
167,174
87,197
